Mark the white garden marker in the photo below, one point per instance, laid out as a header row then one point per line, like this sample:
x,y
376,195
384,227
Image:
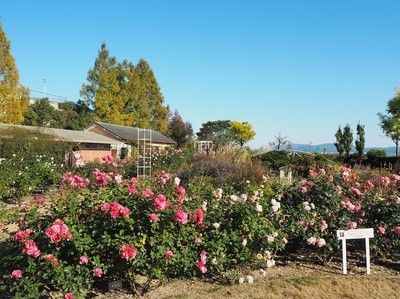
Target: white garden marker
x,y
360,233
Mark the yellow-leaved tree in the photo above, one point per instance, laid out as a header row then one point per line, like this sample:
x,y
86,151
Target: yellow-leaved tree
x,y
242,131
14,98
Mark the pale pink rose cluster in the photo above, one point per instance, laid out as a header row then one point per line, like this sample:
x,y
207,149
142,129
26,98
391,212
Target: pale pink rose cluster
x,y
354,208
102,178
317,242
115,210
58,231
31,249
75,181
306,185
202,262
179,194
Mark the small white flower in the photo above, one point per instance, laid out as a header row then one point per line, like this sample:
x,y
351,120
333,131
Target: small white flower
x,y
263,272
216,225
214,261
234,197
270,263
243,197
244,242
312,206
250,278
267,254
270,239
275,234
204,206
241,280
247,182
259,208
306,206
264,178
285,241
177,181
311,241
118,179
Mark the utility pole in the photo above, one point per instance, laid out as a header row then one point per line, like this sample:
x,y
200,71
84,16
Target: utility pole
x,y
44,88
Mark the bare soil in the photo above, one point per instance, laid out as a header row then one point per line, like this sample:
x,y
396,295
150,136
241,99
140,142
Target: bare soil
x,y
298,277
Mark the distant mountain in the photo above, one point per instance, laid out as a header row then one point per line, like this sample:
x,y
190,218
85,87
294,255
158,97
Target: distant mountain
x,y
331,149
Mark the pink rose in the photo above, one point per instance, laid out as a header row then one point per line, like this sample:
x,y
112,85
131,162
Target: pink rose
x,y
16,274
31,249
381,230
320,243
352,225
198,217
168,254
396,230
154,217
181,217
128,251
69,296
147,193
98,272
83,260
161,202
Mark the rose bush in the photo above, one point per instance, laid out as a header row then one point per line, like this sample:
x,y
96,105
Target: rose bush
x,y
107,227
337,197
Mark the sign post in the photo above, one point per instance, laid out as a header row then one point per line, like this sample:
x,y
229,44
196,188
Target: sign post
x,y
360,233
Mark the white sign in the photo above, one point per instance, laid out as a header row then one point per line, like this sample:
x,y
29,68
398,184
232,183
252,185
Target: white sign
x,y
360,233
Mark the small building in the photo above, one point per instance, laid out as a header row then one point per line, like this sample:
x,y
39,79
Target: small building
x,y
128,136
92,146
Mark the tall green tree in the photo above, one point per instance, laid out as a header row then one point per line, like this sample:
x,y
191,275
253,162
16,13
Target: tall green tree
x,y
347,140
360,141
75,116
125,94
242,131
42,114
179,130
390,123
339,144
14,98
103,90
218,131
151,97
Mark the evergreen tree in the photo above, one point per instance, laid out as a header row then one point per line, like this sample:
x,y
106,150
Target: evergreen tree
x,y
14,98
179,130
339,143
42,114
218,131
347,140
75,116
360,141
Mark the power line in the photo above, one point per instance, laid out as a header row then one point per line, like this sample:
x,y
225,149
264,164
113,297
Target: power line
x,y
49,94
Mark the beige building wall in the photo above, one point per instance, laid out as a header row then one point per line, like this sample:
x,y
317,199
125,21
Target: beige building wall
x,y
93,155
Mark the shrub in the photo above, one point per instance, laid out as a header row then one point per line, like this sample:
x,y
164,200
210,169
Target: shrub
x,y
106,229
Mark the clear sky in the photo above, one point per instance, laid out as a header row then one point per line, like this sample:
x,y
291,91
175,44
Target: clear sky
x,y
299,68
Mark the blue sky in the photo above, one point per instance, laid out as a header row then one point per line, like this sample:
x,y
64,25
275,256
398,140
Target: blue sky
x,y
299,68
